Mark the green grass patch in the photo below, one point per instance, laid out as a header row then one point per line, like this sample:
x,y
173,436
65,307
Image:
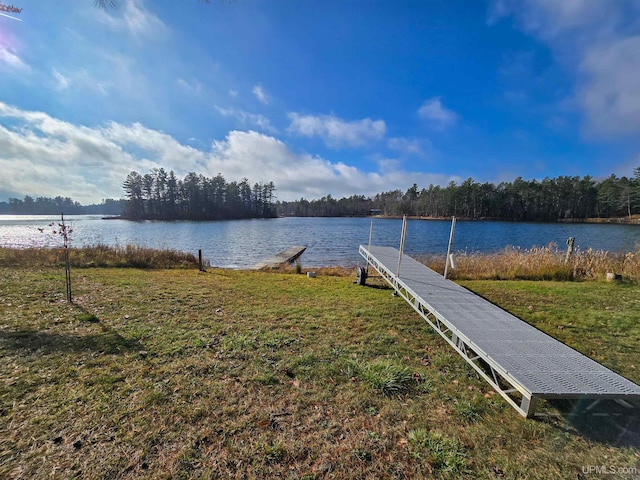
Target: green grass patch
x,y
232,374
386,377
445,454
88,317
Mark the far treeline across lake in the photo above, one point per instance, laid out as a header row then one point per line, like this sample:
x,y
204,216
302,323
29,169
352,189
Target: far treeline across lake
x,y
160,195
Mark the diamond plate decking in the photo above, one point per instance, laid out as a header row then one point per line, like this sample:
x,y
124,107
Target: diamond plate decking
x,y
520,362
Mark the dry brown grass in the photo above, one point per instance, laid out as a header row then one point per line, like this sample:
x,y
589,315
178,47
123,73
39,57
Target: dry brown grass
x,y
98,256
541,263
538,263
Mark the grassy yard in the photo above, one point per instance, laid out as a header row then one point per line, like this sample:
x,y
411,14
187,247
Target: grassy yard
x,y
234,374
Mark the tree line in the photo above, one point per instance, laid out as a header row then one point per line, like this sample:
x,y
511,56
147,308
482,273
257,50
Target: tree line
x,y
55,206
551,199
161,195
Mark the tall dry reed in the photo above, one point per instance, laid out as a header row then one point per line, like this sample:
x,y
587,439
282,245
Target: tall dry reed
x,y
538,263
98,256
541,263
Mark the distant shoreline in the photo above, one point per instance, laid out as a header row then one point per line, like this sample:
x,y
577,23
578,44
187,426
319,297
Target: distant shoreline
x,y
634,220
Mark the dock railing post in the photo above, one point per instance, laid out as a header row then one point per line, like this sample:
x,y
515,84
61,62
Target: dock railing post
x,y
369,247
448,259
402,239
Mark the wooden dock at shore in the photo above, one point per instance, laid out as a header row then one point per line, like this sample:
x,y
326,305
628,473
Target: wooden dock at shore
x,y
289,255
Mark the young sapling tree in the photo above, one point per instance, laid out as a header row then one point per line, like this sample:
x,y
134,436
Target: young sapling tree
x,y
64,231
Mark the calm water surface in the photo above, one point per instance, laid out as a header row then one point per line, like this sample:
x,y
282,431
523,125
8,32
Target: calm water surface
x,y
330,241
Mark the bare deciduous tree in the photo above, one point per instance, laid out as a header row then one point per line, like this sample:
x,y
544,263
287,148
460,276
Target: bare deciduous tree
x,y
64,231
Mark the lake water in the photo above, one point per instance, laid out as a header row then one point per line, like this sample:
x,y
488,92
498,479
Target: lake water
x,y
330,241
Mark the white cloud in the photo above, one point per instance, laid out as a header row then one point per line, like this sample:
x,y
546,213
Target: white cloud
x,y
609,94
233,93
246,118
46,156
260,94
303,175
42,155
549,18
193,87
407,146
438,115
134,18
62,82
9,57
597,42
336,132
80,80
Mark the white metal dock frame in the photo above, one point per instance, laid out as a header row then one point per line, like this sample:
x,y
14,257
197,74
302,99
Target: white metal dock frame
x,y
522,363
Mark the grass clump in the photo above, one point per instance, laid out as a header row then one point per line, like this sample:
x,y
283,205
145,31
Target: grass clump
x,y
274,452
88,317
386,377
468,410
445,455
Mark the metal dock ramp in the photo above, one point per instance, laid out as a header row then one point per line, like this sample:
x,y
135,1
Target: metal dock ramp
x,y
522,363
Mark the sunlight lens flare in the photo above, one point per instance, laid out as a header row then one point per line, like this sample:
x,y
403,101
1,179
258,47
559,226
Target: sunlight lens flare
x,y
9,16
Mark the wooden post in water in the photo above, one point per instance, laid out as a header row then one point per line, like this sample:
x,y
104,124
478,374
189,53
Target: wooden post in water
x,y
200,267
570,242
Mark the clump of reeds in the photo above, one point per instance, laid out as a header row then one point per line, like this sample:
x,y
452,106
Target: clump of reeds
x,y
99,256
30,257
541,263
134,256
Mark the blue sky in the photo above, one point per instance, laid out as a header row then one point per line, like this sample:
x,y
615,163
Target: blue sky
x,y
320,97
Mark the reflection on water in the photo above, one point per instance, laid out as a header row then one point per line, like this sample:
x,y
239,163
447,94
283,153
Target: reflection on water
x,y
330,241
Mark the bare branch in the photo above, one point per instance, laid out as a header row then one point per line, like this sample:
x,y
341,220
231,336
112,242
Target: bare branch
x,y
9,8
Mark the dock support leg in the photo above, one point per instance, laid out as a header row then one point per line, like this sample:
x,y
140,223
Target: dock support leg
x,y
529,405
593,405
361,276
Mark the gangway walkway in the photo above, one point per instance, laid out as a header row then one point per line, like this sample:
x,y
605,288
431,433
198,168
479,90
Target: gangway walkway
x,y
520,362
